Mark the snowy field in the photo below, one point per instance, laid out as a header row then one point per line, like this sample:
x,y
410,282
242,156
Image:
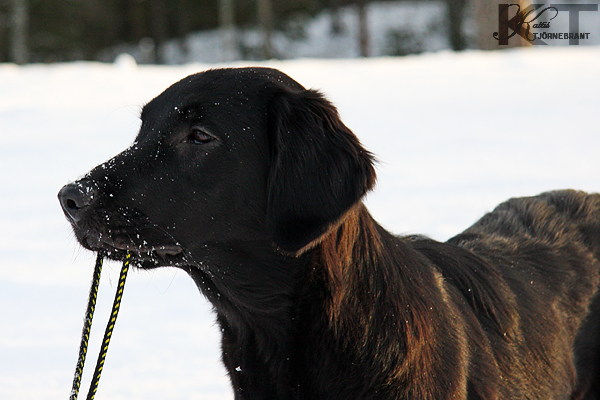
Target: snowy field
x,y
455,135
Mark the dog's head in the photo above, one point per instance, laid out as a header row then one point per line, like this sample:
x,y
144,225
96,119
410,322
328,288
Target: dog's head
x,y
222,157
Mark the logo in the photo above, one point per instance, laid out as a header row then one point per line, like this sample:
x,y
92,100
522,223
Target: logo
x,y
525,20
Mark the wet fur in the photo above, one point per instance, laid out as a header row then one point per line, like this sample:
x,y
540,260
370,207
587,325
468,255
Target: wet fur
x,y
314,298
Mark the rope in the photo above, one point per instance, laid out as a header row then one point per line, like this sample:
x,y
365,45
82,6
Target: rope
x,y
88,324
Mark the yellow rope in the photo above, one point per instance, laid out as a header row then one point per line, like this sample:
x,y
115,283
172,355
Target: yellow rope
x,y
107,334
87,326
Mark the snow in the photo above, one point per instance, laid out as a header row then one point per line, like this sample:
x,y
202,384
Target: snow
x,y
455,135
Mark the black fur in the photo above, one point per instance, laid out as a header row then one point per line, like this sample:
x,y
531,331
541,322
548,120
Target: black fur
x,y
253,185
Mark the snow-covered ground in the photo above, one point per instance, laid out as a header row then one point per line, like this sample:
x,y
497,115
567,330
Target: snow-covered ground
x,y
455,135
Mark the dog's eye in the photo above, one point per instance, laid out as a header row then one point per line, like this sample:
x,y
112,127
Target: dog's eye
x,y
199,136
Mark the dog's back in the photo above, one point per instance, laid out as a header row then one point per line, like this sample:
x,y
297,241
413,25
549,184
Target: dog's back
x,y
530,269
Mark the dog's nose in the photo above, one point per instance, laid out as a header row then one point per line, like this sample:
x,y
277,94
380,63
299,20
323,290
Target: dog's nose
x,y
75,198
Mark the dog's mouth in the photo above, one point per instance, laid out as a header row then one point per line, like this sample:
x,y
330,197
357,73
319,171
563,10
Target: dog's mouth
x,y
145,255
163,251
116,233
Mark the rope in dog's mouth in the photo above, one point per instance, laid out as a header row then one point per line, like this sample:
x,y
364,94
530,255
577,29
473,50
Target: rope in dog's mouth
x,y
87,325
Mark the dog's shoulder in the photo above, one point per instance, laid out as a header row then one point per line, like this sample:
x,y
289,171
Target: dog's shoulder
x,y
479,281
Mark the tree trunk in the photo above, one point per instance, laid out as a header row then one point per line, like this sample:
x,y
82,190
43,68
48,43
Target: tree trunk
x,y
265,19
229,46
455,11
336,20
19,27
158,15
135,20
363,29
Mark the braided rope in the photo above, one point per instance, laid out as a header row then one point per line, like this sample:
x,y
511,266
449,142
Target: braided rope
x,y
107,334
109,330
87,326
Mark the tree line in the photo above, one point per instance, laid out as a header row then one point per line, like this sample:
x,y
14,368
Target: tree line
x,y
66,30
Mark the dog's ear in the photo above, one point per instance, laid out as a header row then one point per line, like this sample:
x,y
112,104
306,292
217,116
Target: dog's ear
x,y
318,168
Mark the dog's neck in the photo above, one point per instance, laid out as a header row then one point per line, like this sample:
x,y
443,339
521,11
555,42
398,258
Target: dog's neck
x,y
372,276
342,254
359,284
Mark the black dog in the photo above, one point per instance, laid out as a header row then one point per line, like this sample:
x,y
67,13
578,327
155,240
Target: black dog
x,y
253,185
